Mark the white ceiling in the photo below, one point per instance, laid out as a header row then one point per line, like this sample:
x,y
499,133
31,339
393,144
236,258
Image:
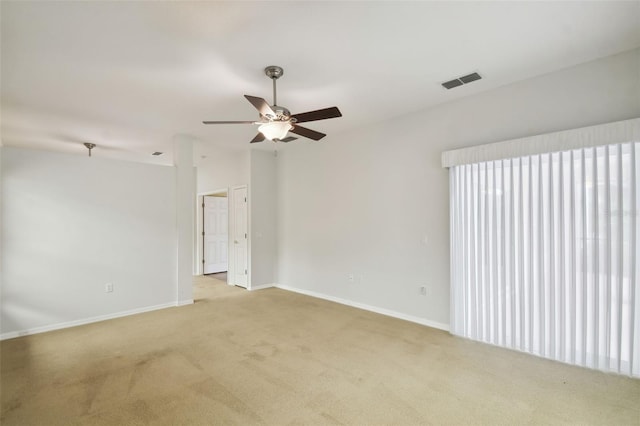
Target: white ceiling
x,y
129,76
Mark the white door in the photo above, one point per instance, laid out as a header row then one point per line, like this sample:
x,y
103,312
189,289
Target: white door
x,y
216,240
240,236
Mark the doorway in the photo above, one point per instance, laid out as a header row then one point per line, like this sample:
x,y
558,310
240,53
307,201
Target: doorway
x,y
237,247
225,262
213,225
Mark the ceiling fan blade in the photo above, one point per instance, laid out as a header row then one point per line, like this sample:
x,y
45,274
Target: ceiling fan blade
x,y
228,122
258,138
261,105
320,114
307,133
288,139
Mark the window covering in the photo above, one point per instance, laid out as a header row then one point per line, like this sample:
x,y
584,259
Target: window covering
x,y
603,134
545,253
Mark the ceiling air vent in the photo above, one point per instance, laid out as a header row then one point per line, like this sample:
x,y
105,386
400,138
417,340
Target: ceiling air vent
x,y
461,80
471,77
452,83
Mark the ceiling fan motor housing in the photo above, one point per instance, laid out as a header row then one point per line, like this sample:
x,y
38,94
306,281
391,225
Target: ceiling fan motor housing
x,y
282,114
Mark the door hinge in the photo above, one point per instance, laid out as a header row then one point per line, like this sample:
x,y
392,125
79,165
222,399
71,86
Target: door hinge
x,y
203,233
203,205
245,236
245,272
245,199
202,260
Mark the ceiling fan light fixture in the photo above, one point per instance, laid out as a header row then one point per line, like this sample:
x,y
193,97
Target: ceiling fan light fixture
x,y
275,129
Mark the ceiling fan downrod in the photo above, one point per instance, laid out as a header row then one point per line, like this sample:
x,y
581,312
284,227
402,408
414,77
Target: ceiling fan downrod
x,y
274,72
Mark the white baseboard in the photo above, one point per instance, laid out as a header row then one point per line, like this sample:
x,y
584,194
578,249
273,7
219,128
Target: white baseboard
x,y
261,287
375,309
75,323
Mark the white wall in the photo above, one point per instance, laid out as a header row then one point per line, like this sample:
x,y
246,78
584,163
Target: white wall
x,y
374,202
263,228
184,190
222,169
70,225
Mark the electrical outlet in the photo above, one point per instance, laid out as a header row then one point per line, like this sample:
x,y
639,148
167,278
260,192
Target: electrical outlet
x,y
108,287
423,290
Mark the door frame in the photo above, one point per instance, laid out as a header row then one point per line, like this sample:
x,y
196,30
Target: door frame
x,y
199,268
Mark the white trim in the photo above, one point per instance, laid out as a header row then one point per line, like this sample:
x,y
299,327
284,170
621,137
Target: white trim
x,y
75,323
370,308
249,219
602,134
261,287
213,193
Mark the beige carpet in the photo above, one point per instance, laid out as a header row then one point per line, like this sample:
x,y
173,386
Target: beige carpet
x,y
277,358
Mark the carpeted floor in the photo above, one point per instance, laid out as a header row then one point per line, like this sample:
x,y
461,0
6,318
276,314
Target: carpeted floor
x,y
274,357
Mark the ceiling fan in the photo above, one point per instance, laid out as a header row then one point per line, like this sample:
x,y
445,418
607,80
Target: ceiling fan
x,y
276,121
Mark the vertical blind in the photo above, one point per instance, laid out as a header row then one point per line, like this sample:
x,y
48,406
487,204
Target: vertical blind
x,y
544,255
